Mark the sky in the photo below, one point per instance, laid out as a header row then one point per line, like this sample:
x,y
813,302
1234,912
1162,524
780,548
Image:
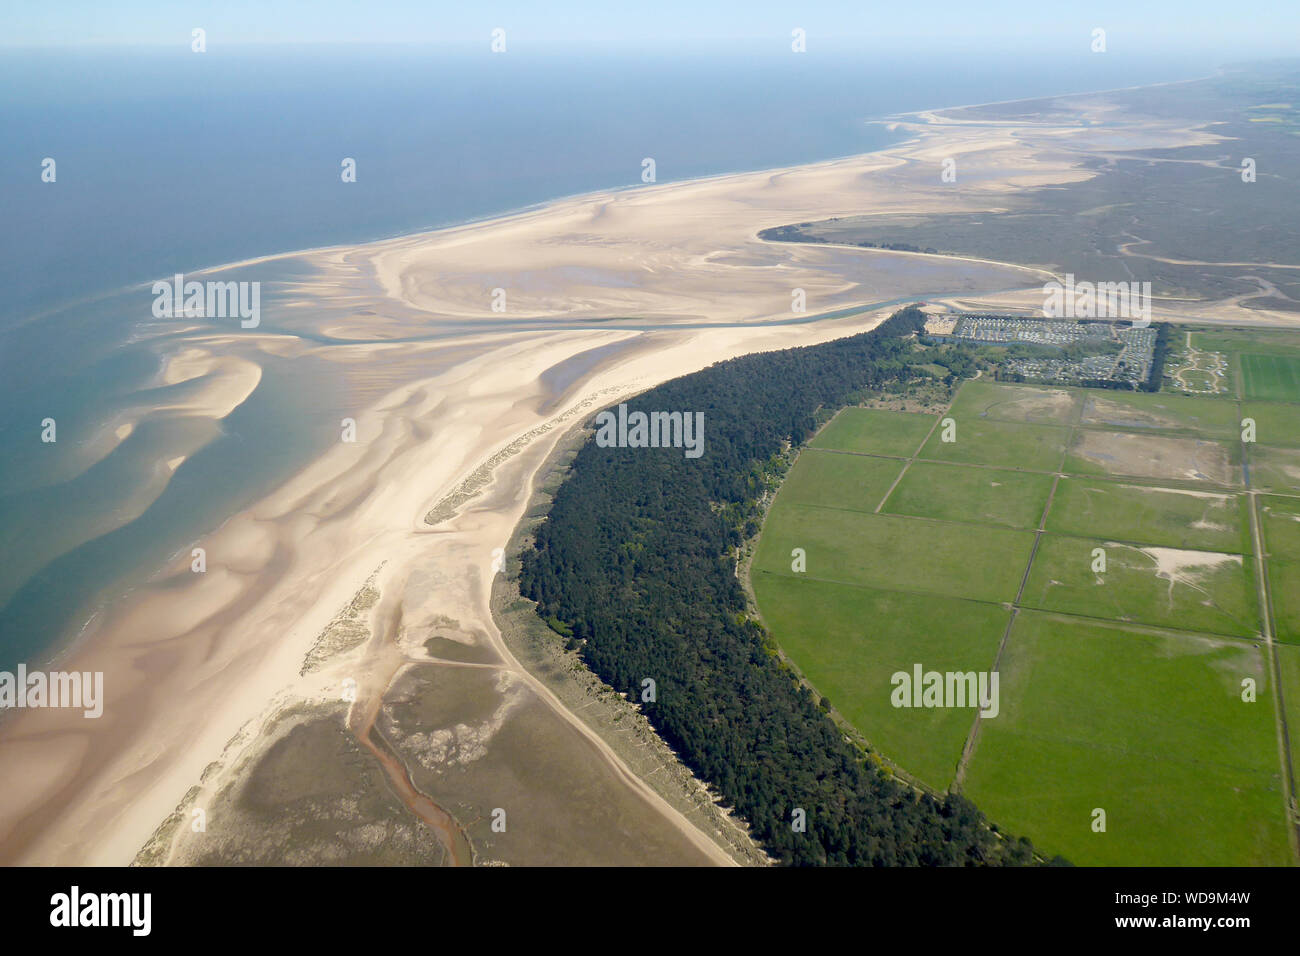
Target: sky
x,y
1268,28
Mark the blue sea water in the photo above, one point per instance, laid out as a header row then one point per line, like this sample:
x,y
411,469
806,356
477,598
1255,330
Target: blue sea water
x,y
170,161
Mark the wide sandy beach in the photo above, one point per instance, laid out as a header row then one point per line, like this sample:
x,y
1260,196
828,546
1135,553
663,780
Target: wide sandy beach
x,y
597,297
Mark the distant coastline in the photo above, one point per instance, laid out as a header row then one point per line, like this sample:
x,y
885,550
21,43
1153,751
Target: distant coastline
x,y
438,385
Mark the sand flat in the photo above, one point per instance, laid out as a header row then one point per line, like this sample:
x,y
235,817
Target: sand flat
x,y
675,272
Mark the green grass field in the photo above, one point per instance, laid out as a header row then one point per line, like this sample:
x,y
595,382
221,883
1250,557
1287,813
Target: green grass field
x,y
871,431
1119,690
1288,662
1280,520
1151,514
1284,588
1013,499
1265,361
903,554
1275,469
1271,378
1239,341
849,641
1196,416
1001,444
1034,404
1197,590
1149,727
1275,424
834,479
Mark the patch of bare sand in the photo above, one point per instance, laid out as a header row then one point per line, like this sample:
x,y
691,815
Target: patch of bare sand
x,y
1104,411
1026,403
1157,456
1190,569
191,658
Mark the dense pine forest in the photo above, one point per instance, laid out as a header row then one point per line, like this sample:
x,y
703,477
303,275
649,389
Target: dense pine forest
x,y
636,561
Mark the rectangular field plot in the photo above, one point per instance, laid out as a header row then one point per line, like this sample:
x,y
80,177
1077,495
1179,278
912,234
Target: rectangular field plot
x,y
884,551
1149,727
873,431
1160,411
1001,444
1284,590
849,642
1016,403
984,495
1197,590
1150,514
1275,469
1280,519
1274,424
1271,378
1288,662
1165,457
1268,341
836,480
